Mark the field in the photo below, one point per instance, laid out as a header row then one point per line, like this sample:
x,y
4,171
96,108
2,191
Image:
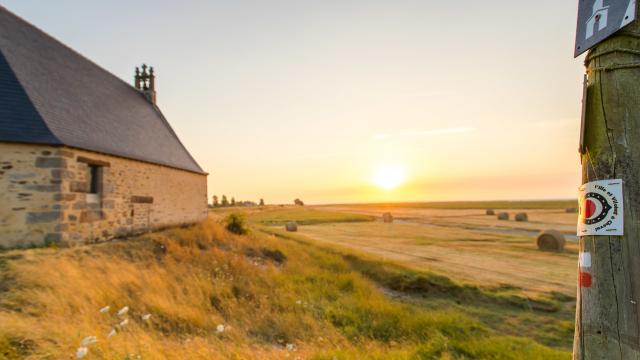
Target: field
x,y
464,244
466,205
460,242
307,216
320,293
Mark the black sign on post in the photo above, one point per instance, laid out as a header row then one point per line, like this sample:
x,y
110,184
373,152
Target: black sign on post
x,y
599,19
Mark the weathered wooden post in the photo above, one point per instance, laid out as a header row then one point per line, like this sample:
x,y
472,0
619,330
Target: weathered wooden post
x,y
607,314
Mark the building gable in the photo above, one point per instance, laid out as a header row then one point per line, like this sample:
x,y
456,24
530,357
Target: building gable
x,y
65,99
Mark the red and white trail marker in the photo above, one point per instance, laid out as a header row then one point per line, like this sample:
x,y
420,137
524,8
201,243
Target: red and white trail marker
x,y
601,208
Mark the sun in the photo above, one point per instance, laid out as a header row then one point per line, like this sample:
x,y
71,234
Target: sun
x,y
389,177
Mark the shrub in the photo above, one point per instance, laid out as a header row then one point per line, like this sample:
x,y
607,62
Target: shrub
x,y
236,224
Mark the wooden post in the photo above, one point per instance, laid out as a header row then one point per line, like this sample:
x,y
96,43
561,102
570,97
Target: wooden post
x,y
607,313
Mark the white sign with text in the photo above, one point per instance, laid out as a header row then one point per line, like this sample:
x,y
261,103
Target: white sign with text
x,y
601,208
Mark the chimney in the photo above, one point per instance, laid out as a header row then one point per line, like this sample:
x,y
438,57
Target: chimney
x,y
145,81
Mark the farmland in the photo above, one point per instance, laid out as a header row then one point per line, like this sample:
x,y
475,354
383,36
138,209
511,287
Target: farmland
x,y
460,242
345,286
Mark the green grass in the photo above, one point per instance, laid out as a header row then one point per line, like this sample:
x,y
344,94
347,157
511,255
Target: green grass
x,y
498,204
305,216
547,318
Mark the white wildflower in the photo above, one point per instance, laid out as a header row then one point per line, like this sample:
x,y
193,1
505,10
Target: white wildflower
x,y
88,341
299,302
220,328
124,322
105,309
81,352
123,311
111,333
146,317
291,347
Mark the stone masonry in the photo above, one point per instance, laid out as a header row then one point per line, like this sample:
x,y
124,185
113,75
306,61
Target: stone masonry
x,y
45,197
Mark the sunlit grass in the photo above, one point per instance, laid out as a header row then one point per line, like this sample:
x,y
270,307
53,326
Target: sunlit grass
x,y
305,216
268,292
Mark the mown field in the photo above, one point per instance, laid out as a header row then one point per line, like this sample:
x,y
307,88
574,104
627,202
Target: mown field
x,y
269,294
462,205
467,247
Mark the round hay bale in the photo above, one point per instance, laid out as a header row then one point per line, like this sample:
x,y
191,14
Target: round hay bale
x,y
522,217
387,217
571,210
490,212
503,216
551,240
291,226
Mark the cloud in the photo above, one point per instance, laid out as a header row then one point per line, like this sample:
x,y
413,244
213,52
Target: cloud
x,y
419,133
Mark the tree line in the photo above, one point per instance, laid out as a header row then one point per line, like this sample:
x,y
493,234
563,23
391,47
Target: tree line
x,y
224,202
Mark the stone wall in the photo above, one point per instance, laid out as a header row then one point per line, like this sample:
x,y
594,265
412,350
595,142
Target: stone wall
x,y
133,196
29,185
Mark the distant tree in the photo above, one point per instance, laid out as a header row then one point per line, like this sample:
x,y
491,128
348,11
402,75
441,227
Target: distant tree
x,y
298,202
224,201
215,201
245,203
261,202
233,201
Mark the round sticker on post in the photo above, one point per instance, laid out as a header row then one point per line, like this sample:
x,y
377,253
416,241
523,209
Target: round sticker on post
x,y
601,208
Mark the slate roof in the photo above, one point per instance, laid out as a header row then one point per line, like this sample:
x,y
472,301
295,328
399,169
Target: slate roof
x,y
50,94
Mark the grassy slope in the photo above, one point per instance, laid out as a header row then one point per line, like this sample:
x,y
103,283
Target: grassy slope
x,y
325,303
498,204
547,318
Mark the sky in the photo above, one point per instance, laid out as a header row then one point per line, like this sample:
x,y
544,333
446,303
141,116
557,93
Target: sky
x,y
351,101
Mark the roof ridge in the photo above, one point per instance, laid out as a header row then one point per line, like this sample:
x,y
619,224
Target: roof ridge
x,y
132,106
67,47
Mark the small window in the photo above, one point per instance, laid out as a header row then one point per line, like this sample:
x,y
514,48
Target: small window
x,y
94,179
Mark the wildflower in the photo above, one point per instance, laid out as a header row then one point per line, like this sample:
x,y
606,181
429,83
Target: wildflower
x,y
111,333
146,317
220,328
291,347
124,322
105,309
88,341
81,352
299,302
123,311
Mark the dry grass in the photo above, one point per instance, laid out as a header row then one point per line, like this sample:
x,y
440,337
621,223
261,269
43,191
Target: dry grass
x,y
269,292
473,219
466,255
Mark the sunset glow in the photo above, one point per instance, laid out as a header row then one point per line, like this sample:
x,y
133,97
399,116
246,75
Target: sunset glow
x,y
389,177
273,86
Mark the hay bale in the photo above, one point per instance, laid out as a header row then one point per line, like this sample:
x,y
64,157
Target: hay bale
x,y
551,240
522,217
571,210
387,217
503,216
490,212
291,226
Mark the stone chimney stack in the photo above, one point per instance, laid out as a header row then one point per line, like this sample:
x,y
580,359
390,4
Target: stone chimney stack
x,y
145,81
